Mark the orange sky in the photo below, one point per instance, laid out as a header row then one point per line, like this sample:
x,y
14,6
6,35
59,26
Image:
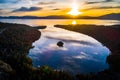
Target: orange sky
x,y
60,7
93,12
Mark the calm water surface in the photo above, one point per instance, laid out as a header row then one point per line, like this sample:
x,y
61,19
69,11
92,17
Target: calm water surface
x,y
80,54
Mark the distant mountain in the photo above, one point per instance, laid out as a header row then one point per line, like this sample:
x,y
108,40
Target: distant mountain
x,y
46,17
113,16
19,17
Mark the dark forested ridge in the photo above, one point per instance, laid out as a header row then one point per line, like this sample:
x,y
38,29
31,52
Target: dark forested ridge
x,y
15,42
110,37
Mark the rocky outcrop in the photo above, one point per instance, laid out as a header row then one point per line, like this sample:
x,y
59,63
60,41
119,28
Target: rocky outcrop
x,y
5,71
4,67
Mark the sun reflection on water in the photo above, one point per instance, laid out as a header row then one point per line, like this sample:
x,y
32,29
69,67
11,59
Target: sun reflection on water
x,y
74,22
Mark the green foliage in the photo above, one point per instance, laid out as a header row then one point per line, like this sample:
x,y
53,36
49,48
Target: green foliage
x,y
46,73
6,71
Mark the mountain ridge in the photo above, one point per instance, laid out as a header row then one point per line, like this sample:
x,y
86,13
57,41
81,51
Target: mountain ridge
x,y
112,16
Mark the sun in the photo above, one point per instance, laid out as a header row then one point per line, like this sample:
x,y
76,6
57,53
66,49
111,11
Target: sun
x,y
74,11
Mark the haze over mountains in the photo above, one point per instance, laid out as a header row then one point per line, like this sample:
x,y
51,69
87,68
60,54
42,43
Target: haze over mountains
x,y
112,16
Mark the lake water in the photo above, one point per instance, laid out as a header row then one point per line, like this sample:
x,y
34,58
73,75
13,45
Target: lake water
x,y
80,53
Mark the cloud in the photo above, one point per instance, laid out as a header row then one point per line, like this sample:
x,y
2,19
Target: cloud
x,y
75,41
56,9
25,9
1,11
46,3
109,0
102,7
109,4
91,2
98,2
107,7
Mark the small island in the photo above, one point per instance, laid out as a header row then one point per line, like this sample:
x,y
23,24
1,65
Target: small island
x,y
60,44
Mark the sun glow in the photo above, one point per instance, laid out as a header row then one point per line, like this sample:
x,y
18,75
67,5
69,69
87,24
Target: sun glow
x,y
74,22
74,11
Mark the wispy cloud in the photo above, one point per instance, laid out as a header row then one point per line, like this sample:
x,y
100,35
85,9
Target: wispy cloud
x,y
75,41
95,2
100,7
108,0
25,9
2,11
46,3
106,4
56,9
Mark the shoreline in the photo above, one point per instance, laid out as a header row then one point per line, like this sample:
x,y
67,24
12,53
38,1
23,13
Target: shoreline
x,y
107,35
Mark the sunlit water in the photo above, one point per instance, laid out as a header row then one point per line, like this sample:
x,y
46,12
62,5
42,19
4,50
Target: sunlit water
x,y
80,54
